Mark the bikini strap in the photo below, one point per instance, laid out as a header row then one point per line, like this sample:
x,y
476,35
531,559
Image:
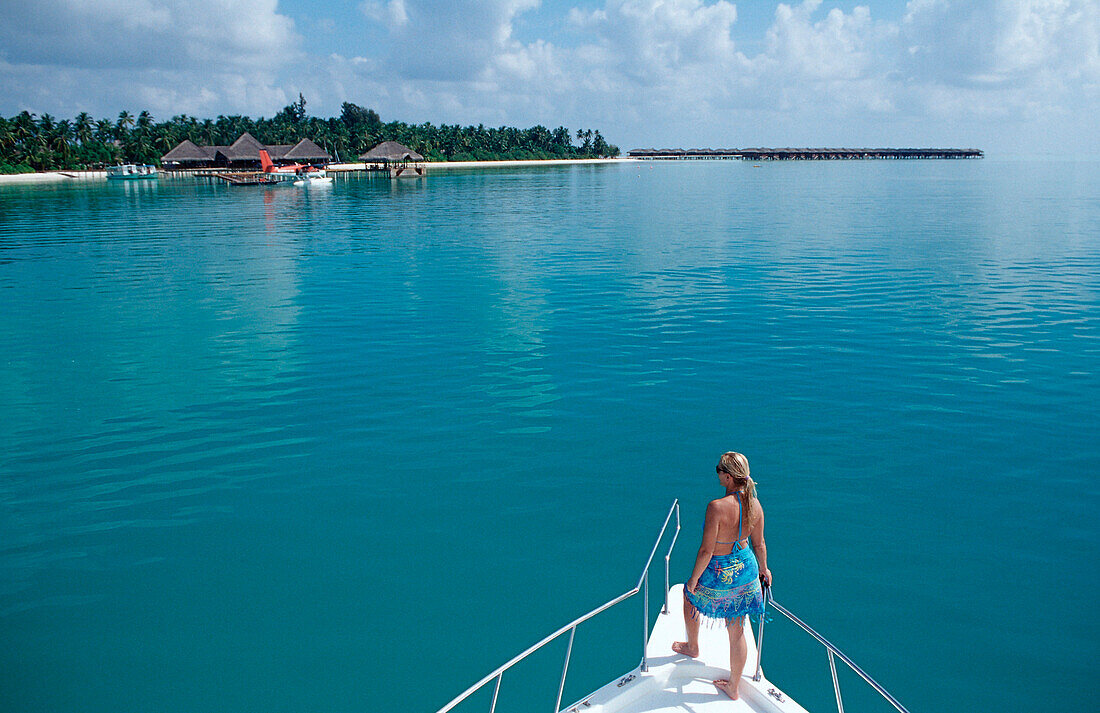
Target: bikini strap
x,y
738,540
740,512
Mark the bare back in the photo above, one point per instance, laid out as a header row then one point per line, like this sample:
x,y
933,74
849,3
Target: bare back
x,y
731,531
724,520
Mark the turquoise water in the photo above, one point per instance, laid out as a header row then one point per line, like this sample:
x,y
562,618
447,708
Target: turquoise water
x,y
351,449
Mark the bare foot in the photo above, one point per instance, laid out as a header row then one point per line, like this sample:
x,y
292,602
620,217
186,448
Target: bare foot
x,y
681,647
729,689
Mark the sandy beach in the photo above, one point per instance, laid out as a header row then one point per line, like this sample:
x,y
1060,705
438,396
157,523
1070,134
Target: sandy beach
x,y
438,165
63,176
447,165
52,177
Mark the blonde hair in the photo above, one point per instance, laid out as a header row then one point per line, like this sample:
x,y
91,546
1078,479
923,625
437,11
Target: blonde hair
x,y
737,466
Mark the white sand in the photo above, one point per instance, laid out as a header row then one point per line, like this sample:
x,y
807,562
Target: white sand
x,y
62,176
53,176
435,165
438,165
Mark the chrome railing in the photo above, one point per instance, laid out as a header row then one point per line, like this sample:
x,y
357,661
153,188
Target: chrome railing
x,y
571,627
834,653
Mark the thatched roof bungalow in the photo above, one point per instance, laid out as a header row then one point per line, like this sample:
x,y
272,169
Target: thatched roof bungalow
x,y
390,152
187,153
242,153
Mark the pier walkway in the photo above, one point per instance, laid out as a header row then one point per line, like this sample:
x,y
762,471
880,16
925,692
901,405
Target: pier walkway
x,y
251,178
803,154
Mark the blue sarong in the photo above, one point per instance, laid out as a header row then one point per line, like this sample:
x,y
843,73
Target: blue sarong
x,y
728,588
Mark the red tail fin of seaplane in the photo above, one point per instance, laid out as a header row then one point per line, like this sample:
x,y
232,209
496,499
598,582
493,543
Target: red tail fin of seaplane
x,y
265,161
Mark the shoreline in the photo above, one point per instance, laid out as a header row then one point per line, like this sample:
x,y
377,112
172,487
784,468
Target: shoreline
x,y
66,176
436,165
53,177
510,163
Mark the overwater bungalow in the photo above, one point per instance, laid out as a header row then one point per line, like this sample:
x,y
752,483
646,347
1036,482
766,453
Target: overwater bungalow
x,y
805,154
398,158
244,153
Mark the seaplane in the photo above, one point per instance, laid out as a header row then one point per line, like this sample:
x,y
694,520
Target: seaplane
x,y
299,174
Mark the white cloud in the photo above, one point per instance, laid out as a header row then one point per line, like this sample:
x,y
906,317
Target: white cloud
x,y
643,58
170,56
664,38
392,13
839,47
207,34
445,40
668,71
1003,41
104,92
645,71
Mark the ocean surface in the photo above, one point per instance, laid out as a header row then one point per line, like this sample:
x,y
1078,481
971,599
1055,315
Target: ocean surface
x,y
351,448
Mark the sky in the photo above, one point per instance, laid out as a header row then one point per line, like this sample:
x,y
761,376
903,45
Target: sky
x,y
1011,77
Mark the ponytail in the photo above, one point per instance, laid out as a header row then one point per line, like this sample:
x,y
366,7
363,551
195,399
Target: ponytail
x,y
748,503
737,466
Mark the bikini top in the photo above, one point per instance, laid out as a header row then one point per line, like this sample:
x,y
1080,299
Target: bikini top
x,y
738,527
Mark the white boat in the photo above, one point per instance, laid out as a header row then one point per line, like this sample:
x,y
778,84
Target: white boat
x,y
664,681
313,178
131,172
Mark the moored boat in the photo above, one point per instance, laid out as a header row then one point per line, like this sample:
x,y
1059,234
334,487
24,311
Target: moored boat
x,y
131,172
315,177
665,681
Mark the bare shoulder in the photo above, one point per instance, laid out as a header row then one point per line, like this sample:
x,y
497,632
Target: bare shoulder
x,y
719,506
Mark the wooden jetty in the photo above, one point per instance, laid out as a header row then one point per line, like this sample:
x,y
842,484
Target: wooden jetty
x,y
336,170
251,178
804,154
407,170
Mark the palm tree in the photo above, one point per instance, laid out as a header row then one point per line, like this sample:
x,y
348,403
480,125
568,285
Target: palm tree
x,y
165,142
7,139
141,149
122,126
60,141
46,142
82,127
38,147
586,137
599,145
24,129
104,130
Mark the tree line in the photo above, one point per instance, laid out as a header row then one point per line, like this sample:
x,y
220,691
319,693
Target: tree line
x,y
42,143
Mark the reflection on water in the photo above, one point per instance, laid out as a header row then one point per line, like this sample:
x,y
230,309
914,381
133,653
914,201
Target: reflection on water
x,y
236,419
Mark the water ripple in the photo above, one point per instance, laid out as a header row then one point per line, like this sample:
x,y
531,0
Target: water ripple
x,y
214,395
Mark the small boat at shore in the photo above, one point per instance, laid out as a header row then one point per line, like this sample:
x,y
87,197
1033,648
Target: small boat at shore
x,y
665,681
131,172
313,178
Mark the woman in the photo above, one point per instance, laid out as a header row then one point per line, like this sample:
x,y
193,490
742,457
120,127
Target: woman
x,y
725,584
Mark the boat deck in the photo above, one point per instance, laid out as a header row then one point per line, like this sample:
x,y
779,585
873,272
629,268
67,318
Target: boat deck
x,y
678,683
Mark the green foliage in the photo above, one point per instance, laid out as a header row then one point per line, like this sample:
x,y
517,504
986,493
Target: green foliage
x,y
38,143
7,168
356,117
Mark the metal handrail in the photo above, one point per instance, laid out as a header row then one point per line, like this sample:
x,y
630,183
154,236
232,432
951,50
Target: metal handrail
x,y
833,652
571,627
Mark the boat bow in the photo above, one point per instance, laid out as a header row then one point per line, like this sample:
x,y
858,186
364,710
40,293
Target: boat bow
x,y
665,681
